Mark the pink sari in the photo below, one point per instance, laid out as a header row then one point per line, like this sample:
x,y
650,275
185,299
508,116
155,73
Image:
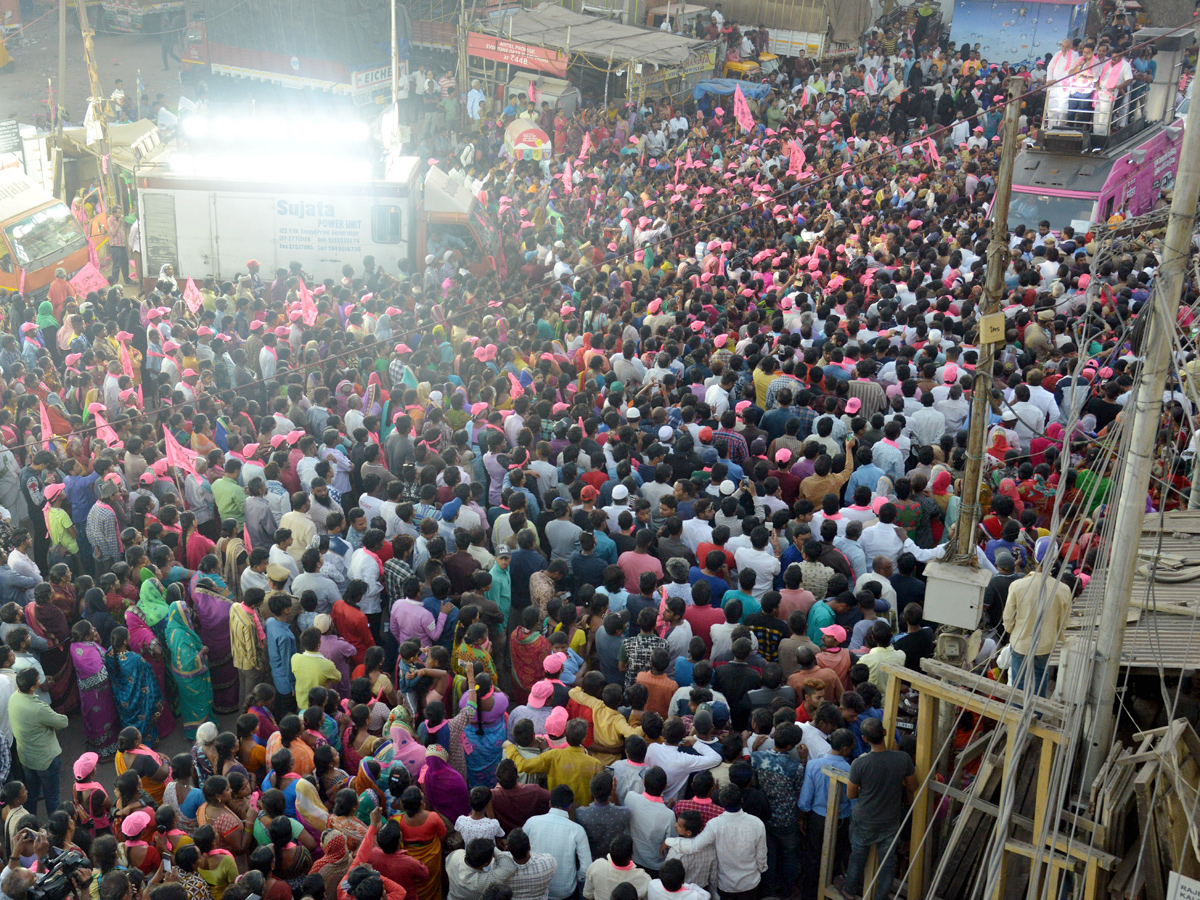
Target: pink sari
x,y
140,639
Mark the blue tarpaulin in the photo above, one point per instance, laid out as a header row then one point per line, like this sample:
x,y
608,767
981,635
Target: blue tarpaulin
x,y
753,90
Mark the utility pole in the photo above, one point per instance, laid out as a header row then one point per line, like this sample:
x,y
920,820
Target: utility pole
x,y
108,193
61,168
993,292
1135,469
464,70
395,62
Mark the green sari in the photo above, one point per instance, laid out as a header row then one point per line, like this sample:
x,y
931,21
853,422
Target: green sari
x,y
152,602
189,669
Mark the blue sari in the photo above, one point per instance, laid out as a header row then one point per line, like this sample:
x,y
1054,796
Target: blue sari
x,y
484,751
139,700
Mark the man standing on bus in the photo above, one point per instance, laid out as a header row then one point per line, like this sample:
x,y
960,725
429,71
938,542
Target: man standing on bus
x,y
118,245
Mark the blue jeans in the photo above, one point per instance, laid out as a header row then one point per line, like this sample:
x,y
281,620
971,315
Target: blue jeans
x,y
783,860
864,836
1039,672
43,784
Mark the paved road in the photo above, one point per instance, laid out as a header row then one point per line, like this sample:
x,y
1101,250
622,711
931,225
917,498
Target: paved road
x,y
71,739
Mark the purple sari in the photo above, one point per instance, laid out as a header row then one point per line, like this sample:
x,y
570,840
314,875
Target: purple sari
x,y
212,624
101,721
445,790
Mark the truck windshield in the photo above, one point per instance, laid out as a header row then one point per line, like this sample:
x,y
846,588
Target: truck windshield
x,y
44,236
1029,209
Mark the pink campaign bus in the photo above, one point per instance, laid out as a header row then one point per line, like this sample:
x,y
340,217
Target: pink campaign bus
x,y
1115,153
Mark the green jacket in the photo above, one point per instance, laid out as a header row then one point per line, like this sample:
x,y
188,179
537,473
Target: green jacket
x,y
34,726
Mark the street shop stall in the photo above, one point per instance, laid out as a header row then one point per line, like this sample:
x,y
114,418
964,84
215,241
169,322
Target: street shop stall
x,y
614,58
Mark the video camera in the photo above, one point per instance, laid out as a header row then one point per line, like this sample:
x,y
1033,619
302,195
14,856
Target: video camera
x,y
59,881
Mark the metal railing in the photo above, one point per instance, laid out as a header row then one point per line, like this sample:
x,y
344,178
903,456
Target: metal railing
x,y
1104,116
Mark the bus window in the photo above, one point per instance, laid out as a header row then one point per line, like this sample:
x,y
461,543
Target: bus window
x,y
385,224
1108,208
44,236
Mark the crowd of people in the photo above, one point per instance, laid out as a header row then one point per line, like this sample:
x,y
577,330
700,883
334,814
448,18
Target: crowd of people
x,y
573,578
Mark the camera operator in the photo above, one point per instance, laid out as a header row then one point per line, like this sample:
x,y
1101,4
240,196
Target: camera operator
x,y
66,875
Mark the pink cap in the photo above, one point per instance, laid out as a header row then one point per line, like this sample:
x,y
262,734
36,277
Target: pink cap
x,y
153,314
126,336
28,326
556,723
540,693
277,439
52,491
135,823
554,663
86,764
654,306
189,373
147,477
853,405
282,331
170,346
720,340
249,450
256,324
697,326
742,406
950,373
202,331
294,436
837,632
782,455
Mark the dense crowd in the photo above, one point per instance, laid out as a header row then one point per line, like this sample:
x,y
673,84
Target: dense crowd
x,y
572,578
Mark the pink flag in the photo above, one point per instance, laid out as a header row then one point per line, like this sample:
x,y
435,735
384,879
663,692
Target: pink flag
x,y
105,432
532,92
308,308
176,455
687,161
127,368
192,297
741,110
586,147
246,536
47,430
568,178
932,152
517,390
796,159
21,286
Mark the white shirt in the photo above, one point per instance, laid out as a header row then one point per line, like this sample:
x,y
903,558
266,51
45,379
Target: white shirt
x,y
882,540
365,567
717,399
678,765
763,563
814,739
695,533
740,840
283,558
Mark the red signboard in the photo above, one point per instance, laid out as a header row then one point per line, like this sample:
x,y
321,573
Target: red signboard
x,y
517,54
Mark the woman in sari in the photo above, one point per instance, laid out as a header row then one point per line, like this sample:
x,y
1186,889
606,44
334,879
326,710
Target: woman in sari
x,y
344,818
96,614
153,606
482,719
405,748
100,718
423,831
445,788
189,668
143,642
138,696
366,785
333,866
196,547
47,621
529,647
133,755
474,649
212,623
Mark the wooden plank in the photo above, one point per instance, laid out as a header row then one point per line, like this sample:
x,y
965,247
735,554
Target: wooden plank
x,y
1052,711
891,703
1045,764
1151,859
991,707
824,881
927,715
